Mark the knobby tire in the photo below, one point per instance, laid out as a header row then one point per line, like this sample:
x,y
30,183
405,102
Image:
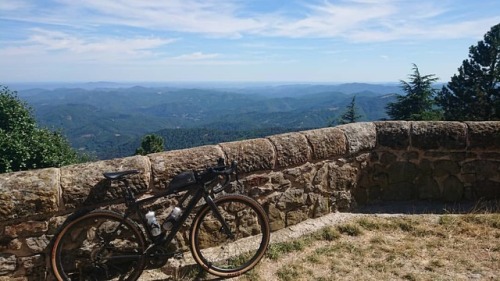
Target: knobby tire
x,y
100,245
215,251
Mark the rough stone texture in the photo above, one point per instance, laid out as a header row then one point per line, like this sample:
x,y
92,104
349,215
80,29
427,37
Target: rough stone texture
x,y
29,193
484,135
26,229
360,136
8,264
294,176
84,184
291,149
393,134
252,155
326,143
166,165
438,135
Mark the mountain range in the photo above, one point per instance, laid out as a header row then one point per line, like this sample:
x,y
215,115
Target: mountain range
x,y
108,120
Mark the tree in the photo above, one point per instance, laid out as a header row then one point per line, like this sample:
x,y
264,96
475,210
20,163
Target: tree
x,y
350,115
150,144
474,93
23,145
418,103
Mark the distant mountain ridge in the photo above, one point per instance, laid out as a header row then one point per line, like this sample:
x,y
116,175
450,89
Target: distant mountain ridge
x,y
109,122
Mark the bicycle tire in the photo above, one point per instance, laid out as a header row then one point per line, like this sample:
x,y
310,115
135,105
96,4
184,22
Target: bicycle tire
x,y
87,248
218,254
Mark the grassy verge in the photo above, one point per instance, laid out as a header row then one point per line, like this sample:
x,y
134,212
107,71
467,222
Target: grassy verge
x,y
418,247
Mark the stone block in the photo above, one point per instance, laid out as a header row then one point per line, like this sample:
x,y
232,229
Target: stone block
x,y
487,189
438,135
393,134
428,188
8,264
84,184
327,142
453,189
484,135
360,136
165,165
296,216
342,177
291,149
26,229
445,167
28,193
276,217
252,155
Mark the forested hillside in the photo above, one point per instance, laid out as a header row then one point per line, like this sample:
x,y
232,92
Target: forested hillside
x,y
109,122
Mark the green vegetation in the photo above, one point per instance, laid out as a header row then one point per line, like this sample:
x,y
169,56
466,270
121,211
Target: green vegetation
x,y
110,123
150,144
350,115
418,103
23,145
474,93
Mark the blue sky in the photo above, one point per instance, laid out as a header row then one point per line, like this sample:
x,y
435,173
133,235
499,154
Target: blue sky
x,y
238,40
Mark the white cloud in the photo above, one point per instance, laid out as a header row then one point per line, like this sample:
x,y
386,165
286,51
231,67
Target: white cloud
x,y
354,20
13,5
196,56
49,40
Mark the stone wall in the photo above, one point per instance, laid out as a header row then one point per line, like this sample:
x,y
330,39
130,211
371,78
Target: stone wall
x,y
295,176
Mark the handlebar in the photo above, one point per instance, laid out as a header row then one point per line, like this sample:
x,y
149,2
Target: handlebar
x,y
208,175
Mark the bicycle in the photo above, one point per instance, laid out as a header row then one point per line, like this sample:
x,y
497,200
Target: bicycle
x,y
108,245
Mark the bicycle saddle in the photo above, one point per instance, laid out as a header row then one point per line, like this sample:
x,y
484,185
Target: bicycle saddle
x,y
120,174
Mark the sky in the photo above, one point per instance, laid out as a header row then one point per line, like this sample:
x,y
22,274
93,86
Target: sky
x,y
332,41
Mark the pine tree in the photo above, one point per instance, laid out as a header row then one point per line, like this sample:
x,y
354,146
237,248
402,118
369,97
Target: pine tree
x,y
350,115
474,93
150,144
418,103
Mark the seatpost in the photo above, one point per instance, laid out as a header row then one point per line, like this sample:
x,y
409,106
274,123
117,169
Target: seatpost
x,y
128,194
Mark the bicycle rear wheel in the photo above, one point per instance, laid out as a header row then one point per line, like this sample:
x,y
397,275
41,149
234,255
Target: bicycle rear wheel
x,y
100,245
224,256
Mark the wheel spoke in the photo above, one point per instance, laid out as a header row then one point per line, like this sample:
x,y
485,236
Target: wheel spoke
x,y
101,246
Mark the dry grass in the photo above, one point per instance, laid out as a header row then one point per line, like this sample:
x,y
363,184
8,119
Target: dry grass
x,y
413,247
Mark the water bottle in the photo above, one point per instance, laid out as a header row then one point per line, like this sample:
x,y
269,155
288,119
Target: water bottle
x,y
172,218
153,224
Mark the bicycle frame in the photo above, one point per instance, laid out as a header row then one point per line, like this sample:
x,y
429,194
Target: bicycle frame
x,y
197,191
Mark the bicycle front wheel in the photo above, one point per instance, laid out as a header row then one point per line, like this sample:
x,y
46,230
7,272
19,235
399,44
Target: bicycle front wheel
x,y
100,245
226,256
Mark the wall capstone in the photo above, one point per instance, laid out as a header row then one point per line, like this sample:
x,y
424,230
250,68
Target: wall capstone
x,y
29,193
360,136
291,149
483,135
393,134
252,155
326,143
439,135
84,184
165,165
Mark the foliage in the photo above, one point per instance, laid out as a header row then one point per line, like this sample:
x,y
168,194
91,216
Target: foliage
x,y
23,145
110,123
418,103
150,144
474,93
350,115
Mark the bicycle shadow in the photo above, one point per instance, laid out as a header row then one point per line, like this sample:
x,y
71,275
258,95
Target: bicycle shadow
x,y
108,192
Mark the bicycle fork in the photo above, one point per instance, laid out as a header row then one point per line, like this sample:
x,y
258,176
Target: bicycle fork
x,y
218,215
